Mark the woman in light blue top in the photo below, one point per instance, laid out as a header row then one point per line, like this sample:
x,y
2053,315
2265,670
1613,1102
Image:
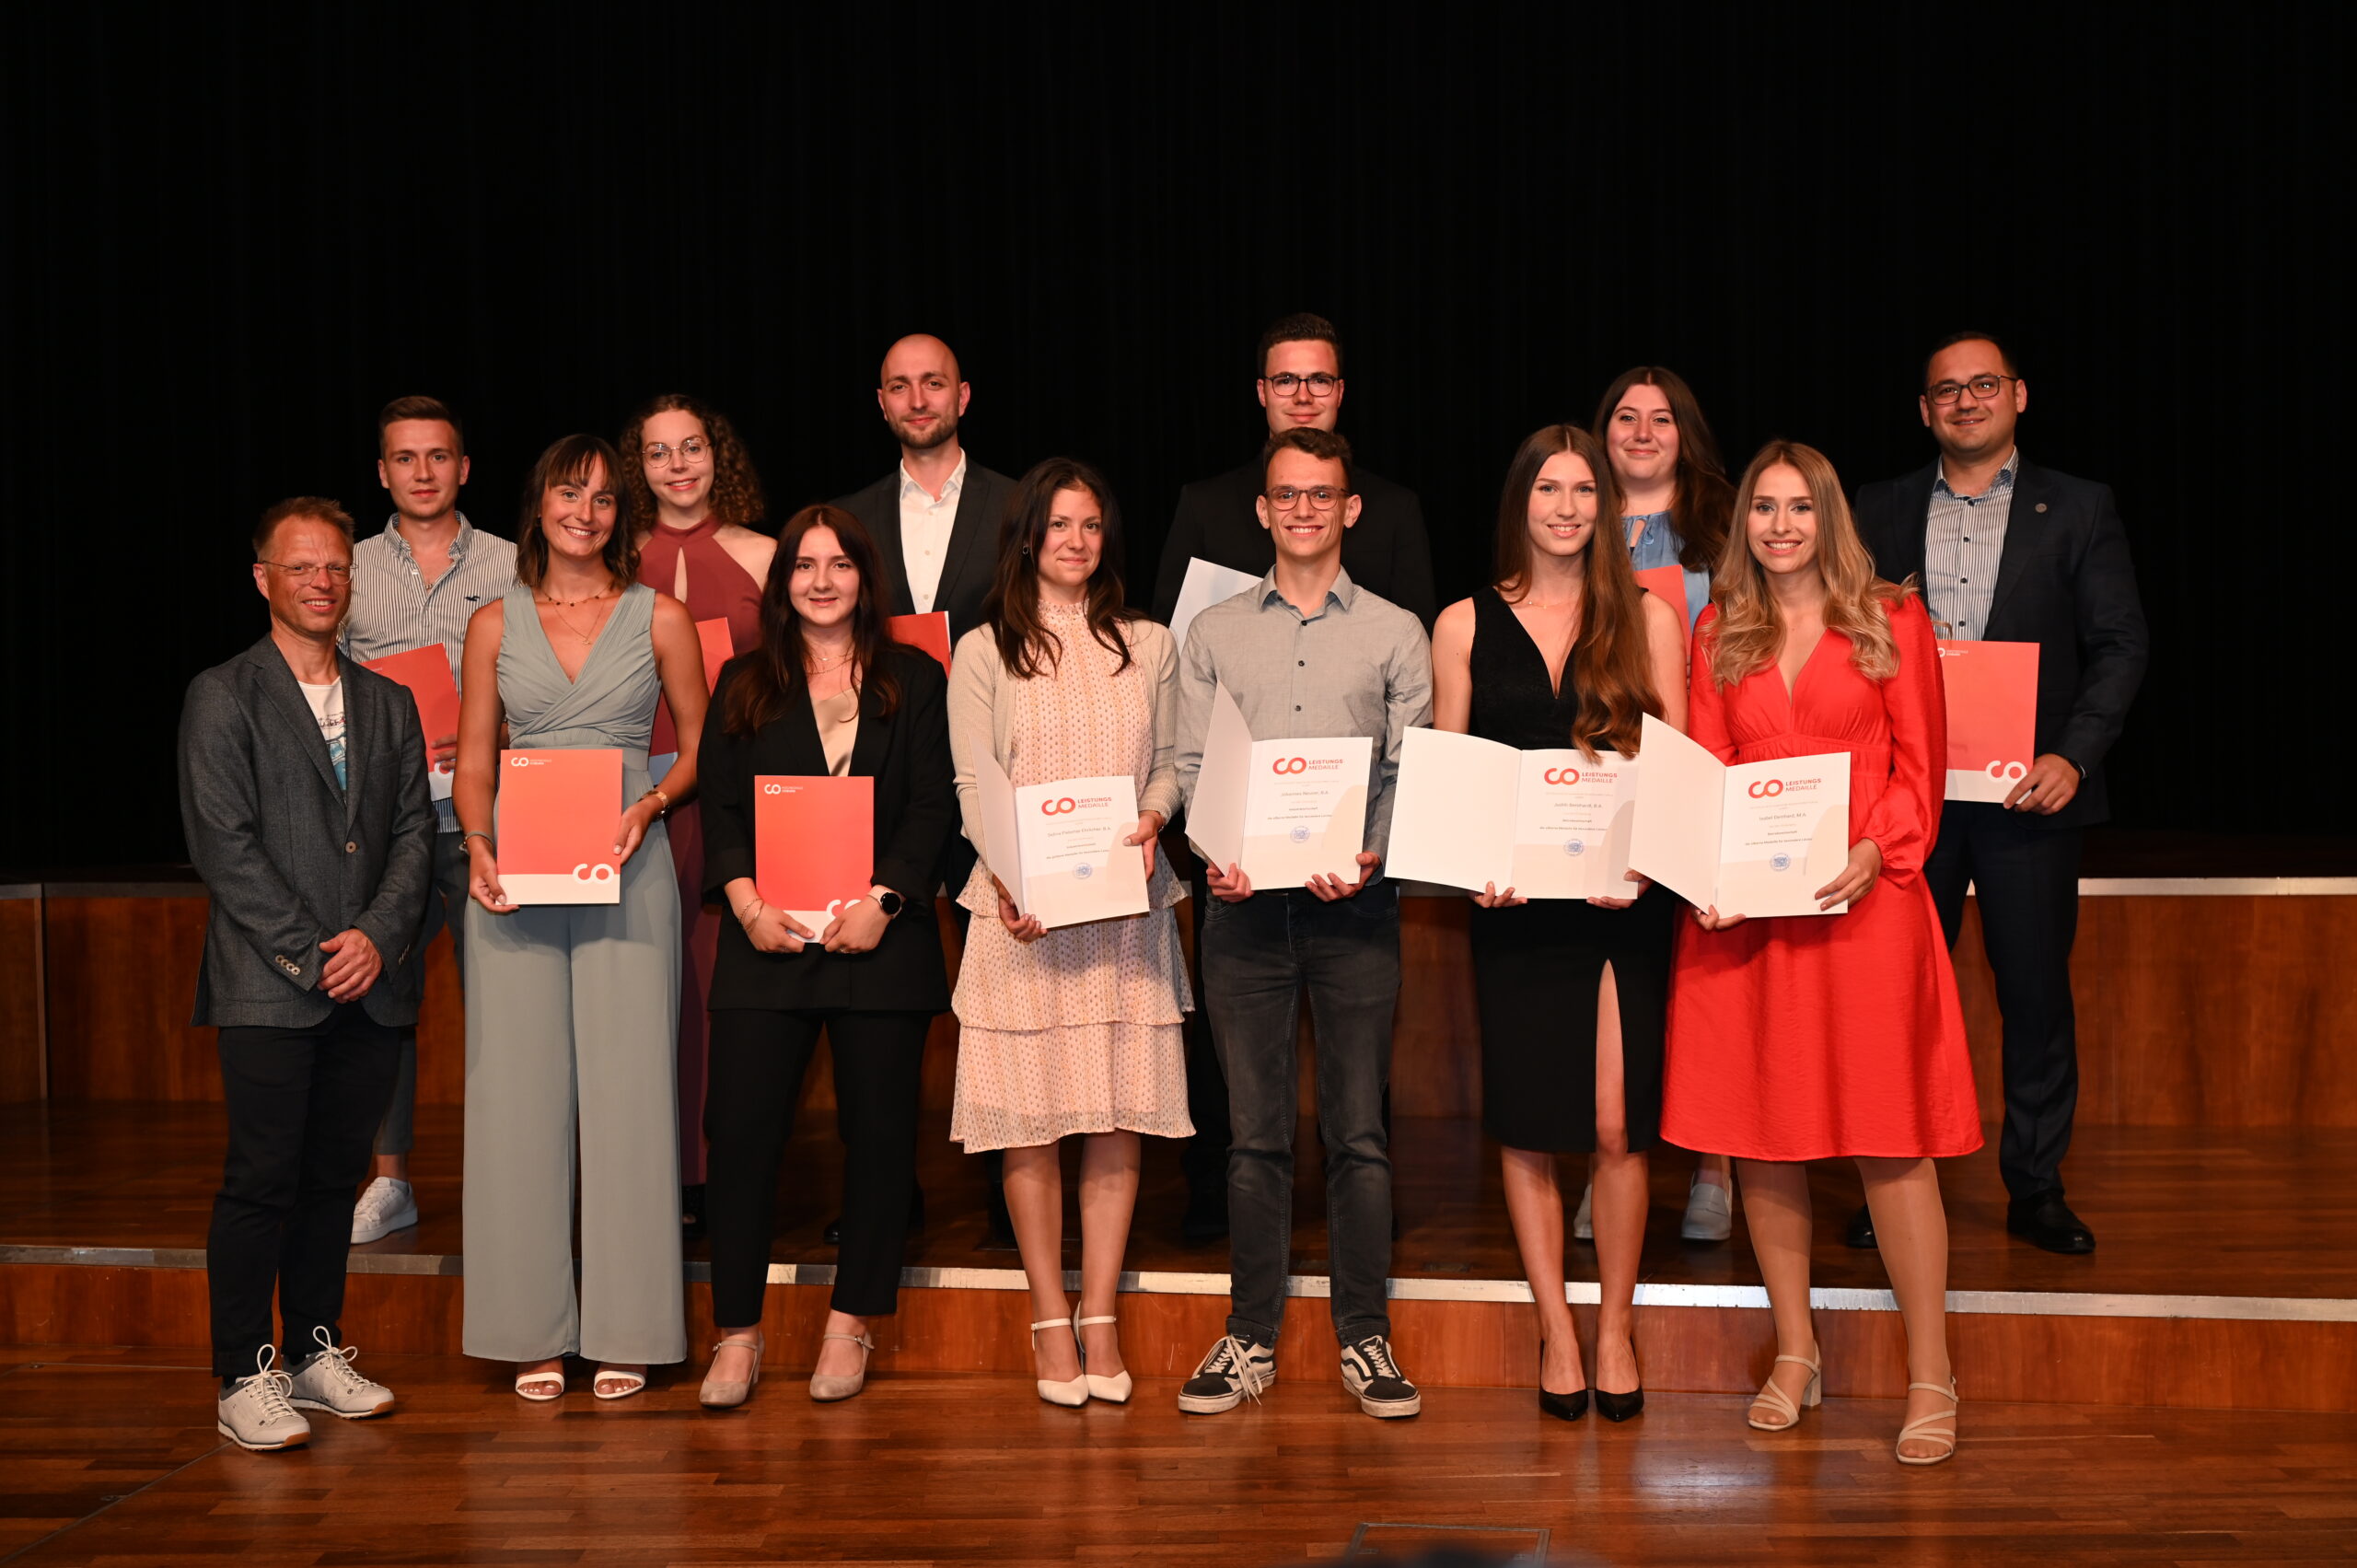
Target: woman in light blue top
x,y
1677,506
572,1009
1672,485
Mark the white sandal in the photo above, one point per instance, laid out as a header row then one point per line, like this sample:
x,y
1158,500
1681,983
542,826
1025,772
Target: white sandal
x,y
632,1381
526,1382
1113,1390
1071,1395
1924,1429
1776,1399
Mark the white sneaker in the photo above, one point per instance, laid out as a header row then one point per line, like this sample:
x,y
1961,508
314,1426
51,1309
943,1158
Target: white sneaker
x,y
385,1206
255,1413
1710,1211
1584,1223
327,1382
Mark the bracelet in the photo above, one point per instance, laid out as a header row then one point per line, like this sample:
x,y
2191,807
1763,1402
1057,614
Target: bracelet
x,y
666,809
476,833
757,906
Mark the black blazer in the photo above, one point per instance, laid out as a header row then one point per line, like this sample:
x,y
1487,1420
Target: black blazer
x,y
1386,552
2064,582
973,562
289,856
916,811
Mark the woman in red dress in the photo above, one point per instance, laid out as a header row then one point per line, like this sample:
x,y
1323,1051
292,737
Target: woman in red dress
x,y
1838,1036
689,479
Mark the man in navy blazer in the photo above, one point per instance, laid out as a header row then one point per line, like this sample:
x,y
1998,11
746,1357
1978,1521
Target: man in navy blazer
x,y
2010,552
302,792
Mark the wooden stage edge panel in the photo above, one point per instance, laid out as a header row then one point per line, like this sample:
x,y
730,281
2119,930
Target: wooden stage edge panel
x,y
2221,1004
2095,1351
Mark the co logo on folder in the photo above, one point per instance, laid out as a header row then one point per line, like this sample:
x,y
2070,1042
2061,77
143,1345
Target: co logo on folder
x,y
1056,807
519,760
1765,789
1561,775
772,789
2002,771
584,872
1290,765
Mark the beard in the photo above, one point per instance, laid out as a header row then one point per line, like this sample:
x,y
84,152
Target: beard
x,y
943,427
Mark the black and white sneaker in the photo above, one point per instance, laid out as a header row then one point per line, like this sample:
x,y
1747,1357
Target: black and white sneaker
x,y
1369,1372
1236,1370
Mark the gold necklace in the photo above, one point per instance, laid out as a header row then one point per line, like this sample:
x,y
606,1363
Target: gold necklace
x,y
597,622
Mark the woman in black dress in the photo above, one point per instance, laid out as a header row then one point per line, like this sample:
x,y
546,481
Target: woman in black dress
x,y
1566,651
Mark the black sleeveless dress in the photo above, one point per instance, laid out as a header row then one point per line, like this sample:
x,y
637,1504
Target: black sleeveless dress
x,y
1536,967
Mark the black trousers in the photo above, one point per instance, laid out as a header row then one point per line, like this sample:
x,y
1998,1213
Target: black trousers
x,y
303,1107
1204,1157
758,1060
2026,879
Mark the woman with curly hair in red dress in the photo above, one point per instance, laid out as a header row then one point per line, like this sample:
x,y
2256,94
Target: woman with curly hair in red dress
x,y
1827,1037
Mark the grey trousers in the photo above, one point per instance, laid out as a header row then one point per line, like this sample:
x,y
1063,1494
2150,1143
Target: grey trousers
x,y
447,901
570,1019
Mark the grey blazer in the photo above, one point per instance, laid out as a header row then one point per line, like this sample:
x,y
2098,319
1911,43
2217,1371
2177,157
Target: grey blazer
x,y
289,858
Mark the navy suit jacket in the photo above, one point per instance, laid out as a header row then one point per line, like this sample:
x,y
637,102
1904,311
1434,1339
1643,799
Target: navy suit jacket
x,y
2064,582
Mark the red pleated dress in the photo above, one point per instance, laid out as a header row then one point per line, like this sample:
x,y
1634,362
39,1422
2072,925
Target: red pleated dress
x,y
1808,1037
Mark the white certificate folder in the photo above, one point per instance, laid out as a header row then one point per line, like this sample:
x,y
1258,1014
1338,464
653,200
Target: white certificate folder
x,y
1550,824
1282,810
1755,838
1057,847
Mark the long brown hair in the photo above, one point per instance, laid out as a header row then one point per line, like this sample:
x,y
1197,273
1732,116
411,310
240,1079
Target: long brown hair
x,y
775,674
1609,671
735,488
1702,505
1749,631
1025,645
574,460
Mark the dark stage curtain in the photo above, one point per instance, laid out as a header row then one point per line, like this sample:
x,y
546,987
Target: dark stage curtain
x,y
233,232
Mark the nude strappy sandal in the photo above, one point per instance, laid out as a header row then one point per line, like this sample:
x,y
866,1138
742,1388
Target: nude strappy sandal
x,y
1113,1390
1925,1430
1776,1399
1073,1394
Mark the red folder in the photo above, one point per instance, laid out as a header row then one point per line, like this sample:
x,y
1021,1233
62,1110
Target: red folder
x,y
719,647
558,814
1669,583
426,672
929,632
1993,715
814,844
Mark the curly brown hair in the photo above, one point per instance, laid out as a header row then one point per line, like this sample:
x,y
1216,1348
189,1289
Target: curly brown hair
x,y
735,488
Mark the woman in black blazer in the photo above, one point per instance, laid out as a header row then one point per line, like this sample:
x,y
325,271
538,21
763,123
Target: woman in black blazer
x,y
827,692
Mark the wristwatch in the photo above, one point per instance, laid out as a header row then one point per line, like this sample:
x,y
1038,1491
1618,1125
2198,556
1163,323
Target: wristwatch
x,y
891,903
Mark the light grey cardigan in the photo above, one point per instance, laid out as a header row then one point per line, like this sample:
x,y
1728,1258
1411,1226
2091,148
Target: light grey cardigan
x,y
978,721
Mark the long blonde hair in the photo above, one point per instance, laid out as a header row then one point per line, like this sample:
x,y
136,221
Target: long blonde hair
x,y
1749,632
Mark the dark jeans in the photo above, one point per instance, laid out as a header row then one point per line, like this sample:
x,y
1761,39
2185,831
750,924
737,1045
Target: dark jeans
x,y
2026,880
302,1105
1204,1157
1257,956
757,1060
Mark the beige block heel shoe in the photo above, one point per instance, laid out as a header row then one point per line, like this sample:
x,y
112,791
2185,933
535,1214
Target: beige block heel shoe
x,y
1113,1390
827,1389
1776,1399
1927,1428
722,1394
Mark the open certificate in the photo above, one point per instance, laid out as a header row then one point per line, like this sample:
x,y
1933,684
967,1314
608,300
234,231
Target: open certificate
x,y
1756,839
814,844
1057,847
1550,824
558,814
1282,810
1992,716
426,672
1203,587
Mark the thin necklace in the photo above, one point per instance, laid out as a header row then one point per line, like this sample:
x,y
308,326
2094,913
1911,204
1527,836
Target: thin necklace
x,y
597,622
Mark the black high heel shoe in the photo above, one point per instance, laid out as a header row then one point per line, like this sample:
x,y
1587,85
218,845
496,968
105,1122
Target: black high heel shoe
x,y
1619,1406
1565,1407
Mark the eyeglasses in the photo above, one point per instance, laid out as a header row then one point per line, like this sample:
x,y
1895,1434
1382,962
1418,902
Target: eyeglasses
x,y
301,570
1321,498
694,450
1285,383
1981,387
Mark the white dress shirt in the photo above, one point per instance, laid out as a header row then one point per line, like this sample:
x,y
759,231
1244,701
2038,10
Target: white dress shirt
x,y
925,528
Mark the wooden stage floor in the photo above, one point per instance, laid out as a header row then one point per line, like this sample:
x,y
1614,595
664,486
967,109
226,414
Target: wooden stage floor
x,y
111,1458
2178,1211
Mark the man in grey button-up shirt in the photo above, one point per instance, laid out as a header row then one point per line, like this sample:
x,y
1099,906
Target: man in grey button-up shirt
x,y
412,586
1305,652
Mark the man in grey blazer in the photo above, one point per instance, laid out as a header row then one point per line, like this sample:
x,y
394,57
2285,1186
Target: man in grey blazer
x,y
302,792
